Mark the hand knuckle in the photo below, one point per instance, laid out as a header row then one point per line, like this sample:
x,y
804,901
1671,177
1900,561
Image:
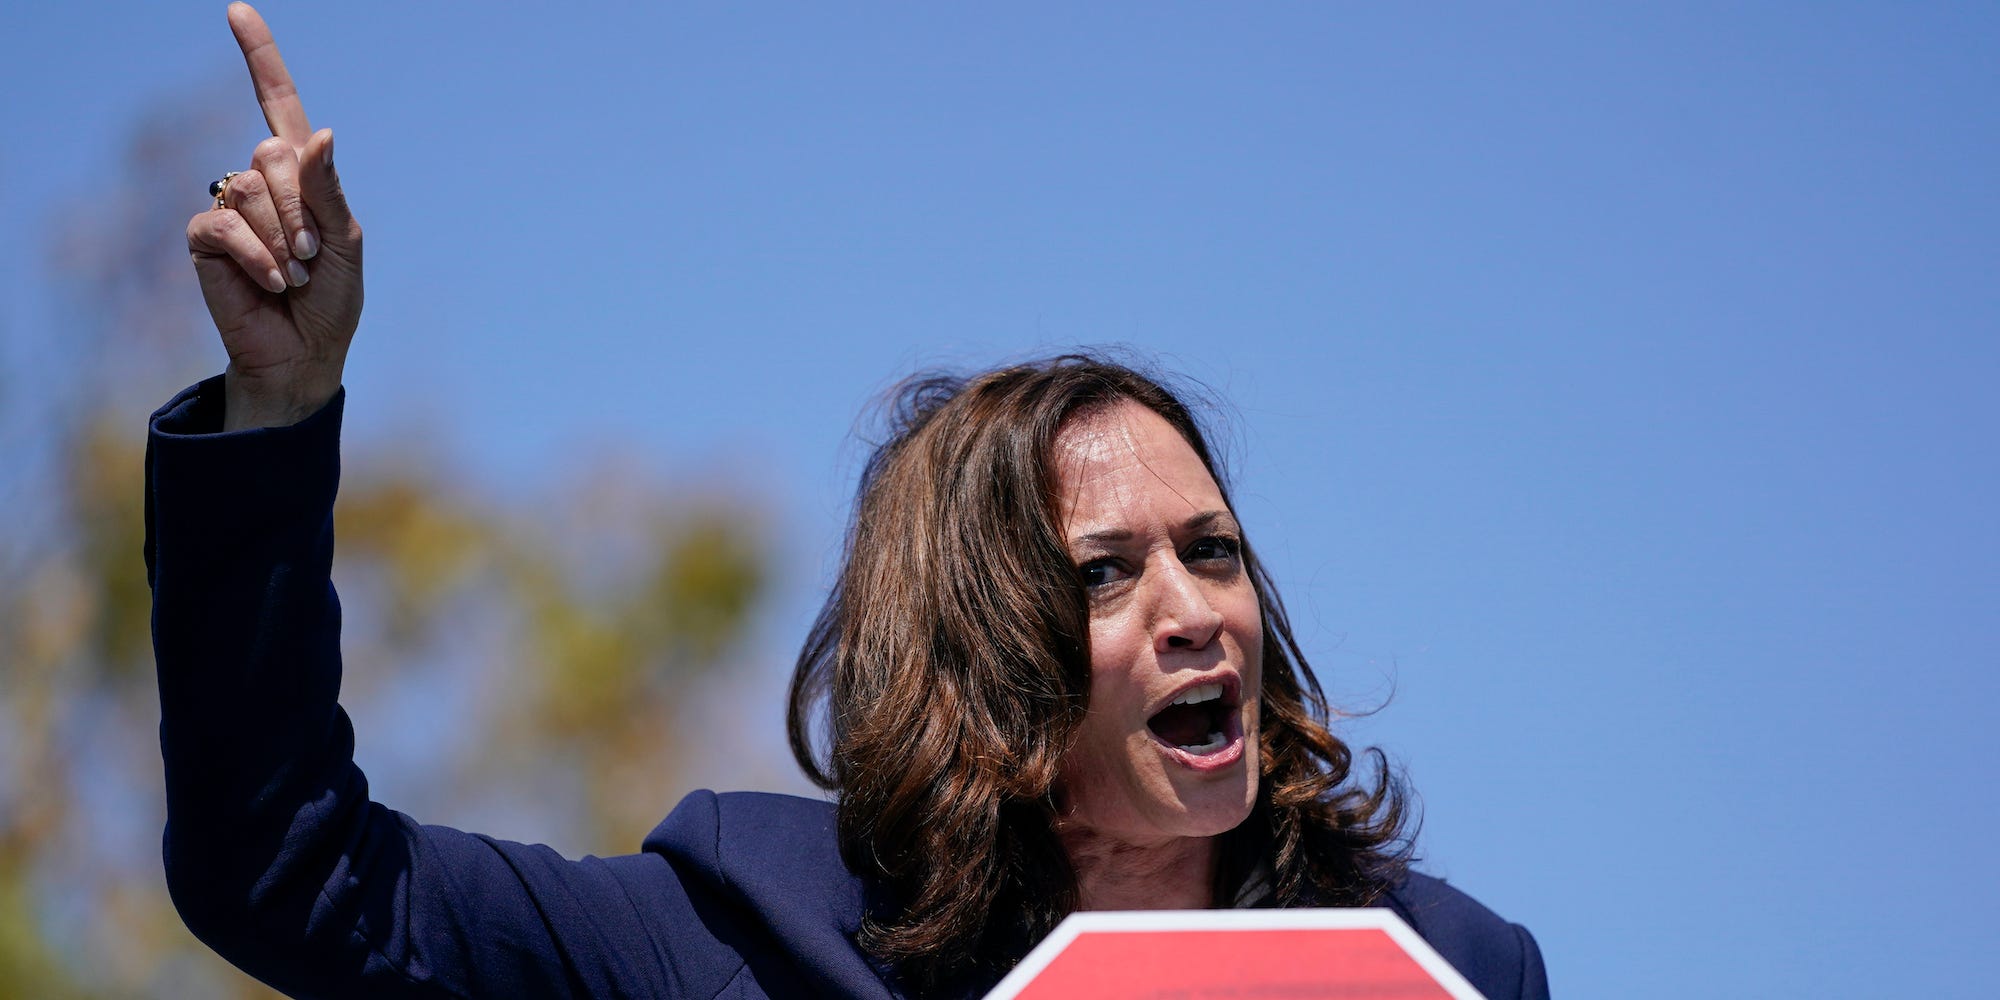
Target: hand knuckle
x,y
248,184
236,231
271,149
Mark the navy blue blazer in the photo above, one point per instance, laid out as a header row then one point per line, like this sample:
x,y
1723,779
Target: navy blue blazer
x,y
278,859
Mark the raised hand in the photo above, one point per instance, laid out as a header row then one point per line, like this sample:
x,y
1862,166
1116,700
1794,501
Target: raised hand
x,y
280,260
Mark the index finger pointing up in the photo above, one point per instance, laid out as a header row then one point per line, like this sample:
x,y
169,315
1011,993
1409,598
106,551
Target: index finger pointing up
x,y
275,93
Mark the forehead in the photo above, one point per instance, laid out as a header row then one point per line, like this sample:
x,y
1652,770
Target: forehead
x,y
1127,461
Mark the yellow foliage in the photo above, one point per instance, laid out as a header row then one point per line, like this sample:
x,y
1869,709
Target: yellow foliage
x,y
582,680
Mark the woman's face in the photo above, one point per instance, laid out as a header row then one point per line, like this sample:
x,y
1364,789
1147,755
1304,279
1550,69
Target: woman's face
x,y
1169,745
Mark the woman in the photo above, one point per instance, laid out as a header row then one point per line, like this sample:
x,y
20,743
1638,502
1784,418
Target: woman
x,y
1051,676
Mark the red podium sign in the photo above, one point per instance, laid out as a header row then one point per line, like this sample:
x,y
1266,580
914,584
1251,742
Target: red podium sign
x,y
1360,954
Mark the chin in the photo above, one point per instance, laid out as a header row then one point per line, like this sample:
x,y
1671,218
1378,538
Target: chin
x,y
1220,807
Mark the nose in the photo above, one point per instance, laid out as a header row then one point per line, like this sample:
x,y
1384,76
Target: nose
x,y
1182,616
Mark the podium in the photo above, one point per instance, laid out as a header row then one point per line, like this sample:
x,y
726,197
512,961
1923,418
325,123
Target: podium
x,y
1349,954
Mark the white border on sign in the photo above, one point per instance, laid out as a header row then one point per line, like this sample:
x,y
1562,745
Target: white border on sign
x,y
1112,921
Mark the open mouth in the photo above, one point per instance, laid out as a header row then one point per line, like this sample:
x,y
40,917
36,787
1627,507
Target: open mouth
x,y
1201,721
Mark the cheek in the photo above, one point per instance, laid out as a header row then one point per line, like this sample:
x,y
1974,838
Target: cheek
x,y
1112,635
1244,618
1101,758
1119,656
1098,773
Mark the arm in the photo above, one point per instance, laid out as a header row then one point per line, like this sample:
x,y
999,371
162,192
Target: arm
x,y
275,855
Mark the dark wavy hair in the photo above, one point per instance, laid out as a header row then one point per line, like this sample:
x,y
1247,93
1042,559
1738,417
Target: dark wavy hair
x,y
949,671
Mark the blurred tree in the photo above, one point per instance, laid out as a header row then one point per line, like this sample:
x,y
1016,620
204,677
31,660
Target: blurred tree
x,y
551,657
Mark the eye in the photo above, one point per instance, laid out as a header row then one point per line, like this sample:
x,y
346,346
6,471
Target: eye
x,y
1214,548
1099,572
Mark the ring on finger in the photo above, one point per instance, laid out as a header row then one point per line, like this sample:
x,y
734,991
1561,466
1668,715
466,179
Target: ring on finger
x,y
219,188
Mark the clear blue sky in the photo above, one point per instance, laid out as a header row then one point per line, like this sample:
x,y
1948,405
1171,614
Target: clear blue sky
x,y
1619,384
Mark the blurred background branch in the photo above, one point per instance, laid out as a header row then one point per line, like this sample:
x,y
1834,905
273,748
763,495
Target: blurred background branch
x,y
535,664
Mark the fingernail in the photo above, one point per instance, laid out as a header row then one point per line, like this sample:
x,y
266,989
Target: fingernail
x,y
298,273
274,281
304,246
328,155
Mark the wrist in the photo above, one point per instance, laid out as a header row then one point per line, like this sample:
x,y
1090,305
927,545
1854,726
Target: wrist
x,y
252,400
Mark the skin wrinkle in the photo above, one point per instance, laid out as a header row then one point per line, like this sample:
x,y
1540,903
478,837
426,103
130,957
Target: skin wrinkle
x,y
1175,875
1199,522
1093,424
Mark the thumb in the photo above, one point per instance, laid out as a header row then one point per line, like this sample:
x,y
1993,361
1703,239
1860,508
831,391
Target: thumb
x,y
319,188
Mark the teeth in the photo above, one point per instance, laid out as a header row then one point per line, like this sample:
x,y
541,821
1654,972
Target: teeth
x,y
1216,741
1195,696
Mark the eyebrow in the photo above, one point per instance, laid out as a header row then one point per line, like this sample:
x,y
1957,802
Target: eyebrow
x,y
1198,522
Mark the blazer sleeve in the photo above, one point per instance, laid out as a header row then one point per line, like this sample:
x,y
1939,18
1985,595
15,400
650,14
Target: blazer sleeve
x,y
275,855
